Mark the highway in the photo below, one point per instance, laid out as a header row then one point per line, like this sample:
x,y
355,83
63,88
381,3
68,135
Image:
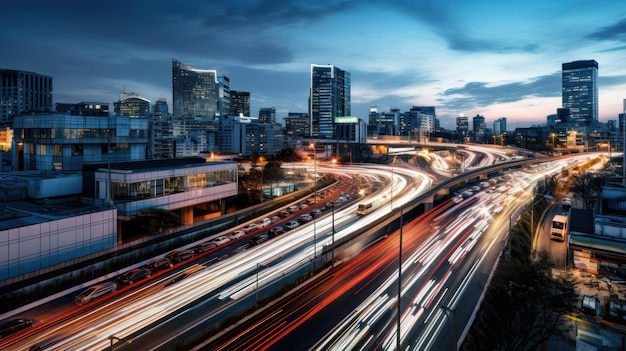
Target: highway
x,y
448,255
220,281
153,314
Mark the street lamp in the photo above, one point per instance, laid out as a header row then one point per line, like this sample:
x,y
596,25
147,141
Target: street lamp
x,y
399,312
312,145
115,338
532,212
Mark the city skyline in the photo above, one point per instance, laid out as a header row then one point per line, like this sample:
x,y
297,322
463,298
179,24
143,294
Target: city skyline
x,y
493,59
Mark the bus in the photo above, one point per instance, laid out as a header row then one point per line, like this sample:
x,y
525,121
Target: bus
x,y
558,229
367,207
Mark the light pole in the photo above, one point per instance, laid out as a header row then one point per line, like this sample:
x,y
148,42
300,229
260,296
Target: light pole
x,y
391,189
115,338
532,212
312,145
456,337
399,312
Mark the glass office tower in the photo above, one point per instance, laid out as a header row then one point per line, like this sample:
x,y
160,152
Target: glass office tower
x,y
580,91
195,93
23,92
330,98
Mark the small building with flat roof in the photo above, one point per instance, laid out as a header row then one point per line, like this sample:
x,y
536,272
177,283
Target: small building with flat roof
x,y
44,223
184,185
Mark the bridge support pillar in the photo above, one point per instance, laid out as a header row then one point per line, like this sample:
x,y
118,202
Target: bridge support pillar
x,y
186,215
428,203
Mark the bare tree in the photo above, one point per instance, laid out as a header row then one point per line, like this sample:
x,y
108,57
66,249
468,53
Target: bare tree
x,y
585,187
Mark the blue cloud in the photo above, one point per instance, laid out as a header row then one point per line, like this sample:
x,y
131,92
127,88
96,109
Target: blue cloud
x,y
475,94
615,31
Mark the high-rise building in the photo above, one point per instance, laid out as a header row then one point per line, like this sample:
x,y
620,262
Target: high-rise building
x,y
478,125
499,126
195,92
267,115
330,98
23,92
580,91
131,105
223,102
420,121
297,124
239,103
462,125
245,136
160,107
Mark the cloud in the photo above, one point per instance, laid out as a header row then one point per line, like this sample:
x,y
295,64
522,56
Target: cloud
x,y
444,20
475,94
616,31
611,81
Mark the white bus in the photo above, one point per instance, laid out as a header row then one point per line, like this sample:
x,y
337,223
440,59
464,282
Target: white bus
x,y
367,207
558,229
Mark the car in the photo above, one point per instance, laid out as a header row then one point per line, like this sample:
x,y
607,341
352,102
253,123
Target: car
x,y
329,204
159,263
48,343
251,228
283,214
257,239
304,218
566,203
303,206
205,246
134,275
276,231
94,292
294,208
220,240
179,256
291,225
177,278
275,219
310,201
262,223
237,234
316,213
11,326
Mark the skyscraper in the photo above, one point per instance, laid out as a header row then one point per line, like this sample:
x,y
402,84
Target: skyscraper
x,y
195,92
23,92
462,125
330,98
267,115
580,91
160,107
239,103
499,126
131,105
478,126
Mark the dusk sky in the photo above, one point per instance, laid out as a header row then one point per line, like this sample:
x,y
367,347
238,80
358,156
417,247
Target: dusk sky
x,y
494,58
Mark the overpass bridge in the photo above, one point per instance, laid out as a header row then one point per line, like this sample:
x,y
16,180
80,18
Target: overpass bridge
x,y
388,145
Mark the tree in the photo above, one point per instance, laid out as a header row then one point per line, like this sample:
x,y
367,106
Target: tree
x,y
586,187
287,155
524,306
272,172
155,220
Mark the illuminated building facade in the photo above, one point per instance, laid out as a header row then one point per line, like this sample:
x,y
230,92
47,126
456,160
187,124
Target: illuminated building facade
x,y
330,98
